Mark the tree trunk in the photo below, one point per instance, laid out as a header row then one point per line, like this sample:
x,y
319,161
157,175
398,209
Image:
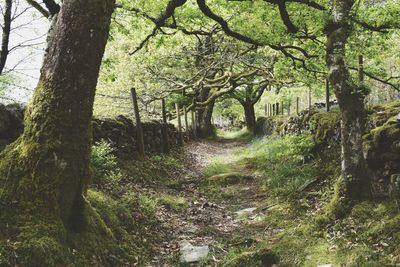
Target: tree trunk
x,y
205,128
249,114
45,172
350,96
5,39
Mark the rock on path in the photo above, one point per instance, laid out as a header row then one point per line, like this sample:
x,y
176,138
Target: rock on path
x,y
190,253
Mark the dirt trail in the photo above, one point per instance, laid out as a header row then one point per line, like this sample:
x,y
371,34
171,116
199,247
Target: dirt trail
x,y
205,222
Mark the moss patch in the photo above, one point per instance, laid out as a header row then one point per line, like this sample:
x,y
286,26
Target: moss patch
x,y
174,202
229,178
259,258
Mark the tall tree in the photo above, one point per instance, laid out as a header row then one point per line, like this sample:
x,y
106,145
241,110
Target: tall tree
x,y
5,39
248,95
350,96
45,172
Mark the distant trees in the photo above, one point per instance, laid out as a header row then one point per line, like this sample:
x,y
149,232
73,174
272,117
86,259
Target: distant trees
x,y
312,36
5,38
17,16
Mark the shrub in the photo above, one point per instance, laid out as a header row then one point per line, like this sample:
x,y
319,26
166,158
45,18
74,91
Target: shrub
x,y
104,164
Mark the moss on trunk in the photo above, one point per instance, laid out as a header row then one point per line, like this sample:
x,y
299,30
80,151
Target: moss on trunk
x,y
44,174
249,115
350,96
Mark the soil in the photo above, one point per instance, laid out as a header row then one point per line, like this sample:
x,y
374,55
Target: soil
x,y
211,221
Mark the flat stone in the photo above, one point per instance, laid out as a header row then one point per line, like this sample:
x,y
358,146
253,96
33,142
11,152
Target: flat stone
x,y
245,212
190,253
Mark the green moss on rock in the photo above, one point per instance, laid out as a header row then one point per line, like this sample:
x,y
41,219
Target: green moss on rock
x,y
380,114
174,202
326,126
229,178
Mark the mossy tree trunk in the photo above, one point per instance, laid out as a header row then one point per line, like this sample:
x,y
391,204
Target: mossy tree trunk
x,y
350,96
249,114
247,99
205,128
45,172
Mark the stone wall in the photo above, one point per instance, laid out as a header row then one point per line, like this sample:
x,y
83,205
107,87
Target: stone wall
x,y
381,141
120,132
324,126
11,123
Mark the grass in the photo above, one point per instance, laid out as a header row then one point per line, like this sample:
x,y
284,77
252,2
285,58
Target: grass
x,y
174,202
292,229
238,135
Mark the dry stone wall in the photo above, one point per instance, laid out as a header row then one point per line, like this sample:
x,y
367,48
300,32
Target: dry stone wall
x,y
120,132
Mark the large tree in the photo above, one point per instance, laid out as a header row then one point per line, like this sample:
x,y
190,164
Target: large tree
x,y
45,172
350,95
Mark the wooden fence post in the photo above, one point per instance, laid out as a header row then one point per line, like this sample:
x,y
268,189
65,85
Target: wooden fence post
x,y
194,119
178,116
266,110
328,103
361,69
186,123
277,108
164,129
297,105
139,127
273,109
193,123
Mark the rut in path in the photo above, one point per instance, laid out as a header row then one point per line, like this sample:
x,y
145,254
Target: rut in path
x,y
205,222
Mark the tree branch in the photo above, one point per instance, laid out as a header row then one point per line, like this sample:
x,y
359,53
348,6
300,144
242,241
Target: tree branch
x,y
39,8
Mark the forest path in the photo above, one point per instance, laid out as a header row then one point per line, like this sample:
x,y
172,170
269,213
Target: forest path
x,y
211,221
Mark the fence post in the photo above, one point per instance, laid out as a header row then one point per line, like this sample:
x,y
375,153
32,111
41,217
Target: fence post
x,y
164,129
194,119
186,123
193,123
266,110
139,127
297,105
361,69
178,116
273,109
277,108
328,103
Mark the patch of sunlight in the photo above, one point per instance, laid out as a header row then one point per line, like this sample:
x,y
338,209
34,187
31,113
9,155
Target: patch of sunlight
x,y
239,135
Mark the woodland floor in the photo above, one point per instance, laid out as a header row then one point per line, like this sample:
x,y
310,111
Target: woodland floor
x,y
208,219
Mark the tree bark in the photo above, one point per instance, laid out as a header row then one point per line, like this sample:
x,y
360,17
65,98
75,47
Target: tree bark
x,y
249,114
206,128
45,172
350,96
5,39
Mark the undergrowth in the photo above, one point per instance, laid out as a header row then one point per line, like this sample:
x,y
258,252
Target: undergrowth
x,y
299,183
121,224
